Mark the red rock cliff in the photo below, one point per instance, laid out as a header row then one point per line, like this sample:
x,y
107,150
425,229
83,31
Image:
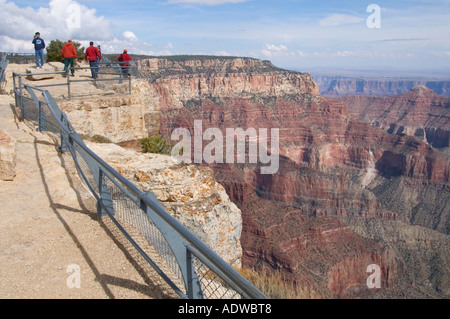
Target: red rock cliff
x,y
420,112
333,169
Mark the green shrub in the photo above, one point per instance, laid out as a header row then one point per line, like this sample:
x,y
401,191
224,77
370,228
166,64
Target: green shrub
x,y
55,47
155,144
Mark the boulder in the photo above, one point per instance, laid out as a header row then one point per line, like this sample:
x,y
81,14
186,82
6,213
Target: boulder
x,y
35,74
58,66
7,156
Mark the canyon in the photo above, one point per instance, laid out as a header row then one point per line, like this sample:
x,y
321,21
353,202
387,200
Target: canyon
x,y
370,85
347,194
420,112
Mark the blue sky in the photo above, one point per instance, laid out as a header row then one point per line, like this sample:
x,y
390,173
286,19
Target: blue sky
x,y
295,34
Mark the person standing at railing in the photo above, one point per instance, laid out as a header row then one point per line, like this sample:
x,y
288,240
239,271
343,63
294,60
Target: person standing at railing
x,y
69,54
124,57
39,46
91,55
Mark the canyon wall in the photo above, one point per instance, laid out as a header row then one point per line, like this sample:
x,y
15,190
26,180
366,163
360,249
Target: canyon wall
x,y
338,86
420,112
332,168
337,176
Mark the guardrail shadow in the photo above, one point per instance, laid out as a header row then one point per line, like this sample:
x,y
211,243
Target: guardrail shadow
x,y
153,287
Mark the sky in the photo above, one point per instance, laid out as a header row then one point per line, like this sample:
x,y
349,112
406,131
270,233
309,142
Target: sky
x,y
294,34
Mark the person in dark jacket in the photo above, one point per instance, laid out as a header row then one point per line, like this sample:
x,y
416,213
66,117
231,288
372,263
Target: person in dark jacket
x,y
69,54
91,55
124,57
39,46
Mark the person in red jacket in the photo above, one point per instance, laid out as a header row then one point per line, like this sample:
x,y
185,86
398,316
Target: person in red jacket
x,y
91,55
69,54
124,57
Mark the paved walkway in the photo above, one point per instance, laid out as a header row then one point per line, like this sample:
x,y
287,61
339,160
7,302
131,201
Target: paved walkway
x,y
51,243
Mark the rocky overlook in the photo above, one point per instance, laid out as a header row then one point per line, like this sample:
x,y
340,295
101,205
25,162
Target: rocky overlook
x,y
346,194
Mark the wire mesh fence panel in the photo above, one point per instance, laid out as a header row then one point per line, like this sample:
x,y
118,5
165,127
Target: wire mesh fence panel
x,y
84,170
128,212
213,287
29,110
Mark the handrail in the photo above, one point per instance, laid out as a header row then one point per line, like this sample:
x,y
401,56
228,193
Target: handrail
x,y
181,241
101,65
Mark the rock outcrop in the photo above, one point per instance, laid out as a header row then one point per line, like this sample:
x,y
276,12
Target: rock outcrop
x,y
179,83
420,112
37,74
120,117
189,193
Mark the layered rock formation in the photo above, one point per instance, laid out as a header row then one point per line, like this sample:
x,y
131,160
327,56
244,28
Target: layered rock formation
x,y
120,117
189,81
420,112
338,86
331,166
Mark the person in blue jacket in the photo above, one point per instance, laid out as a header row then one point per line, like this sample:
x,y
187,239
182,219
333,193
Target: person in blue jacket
x,y
39,46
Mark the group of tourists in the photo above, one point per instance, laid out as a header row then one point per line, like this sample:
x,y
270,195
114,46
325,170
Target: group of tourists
x,y
69,53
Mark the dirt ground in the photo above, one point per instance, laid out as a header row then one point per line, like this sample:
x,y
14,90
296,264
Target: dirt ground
x,y
52,245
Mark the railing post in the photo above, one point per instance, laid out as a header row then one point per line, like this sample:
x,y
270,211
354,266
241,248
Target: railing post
x,y
106,201
39,106
65,138
68,84
193,284
129,83
22,108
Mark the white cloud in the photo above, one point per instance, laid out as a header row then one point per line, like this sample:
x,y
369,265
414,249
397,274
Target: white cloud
x,y
129,35
273,47
337,19
222,53
127,40
62,19
274,50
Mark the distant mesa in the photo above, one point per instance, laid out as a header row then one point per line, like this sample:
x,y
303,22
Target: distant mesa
x,y
338,86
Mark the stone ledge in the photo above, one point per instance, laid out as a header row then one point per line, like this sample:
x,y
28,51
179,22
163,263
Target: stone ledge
x,y
34,74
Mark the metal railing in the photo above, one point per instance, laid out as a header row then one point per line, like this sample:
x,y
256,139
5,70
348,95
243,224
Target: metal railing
x,y
3,65
105,71
190,267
